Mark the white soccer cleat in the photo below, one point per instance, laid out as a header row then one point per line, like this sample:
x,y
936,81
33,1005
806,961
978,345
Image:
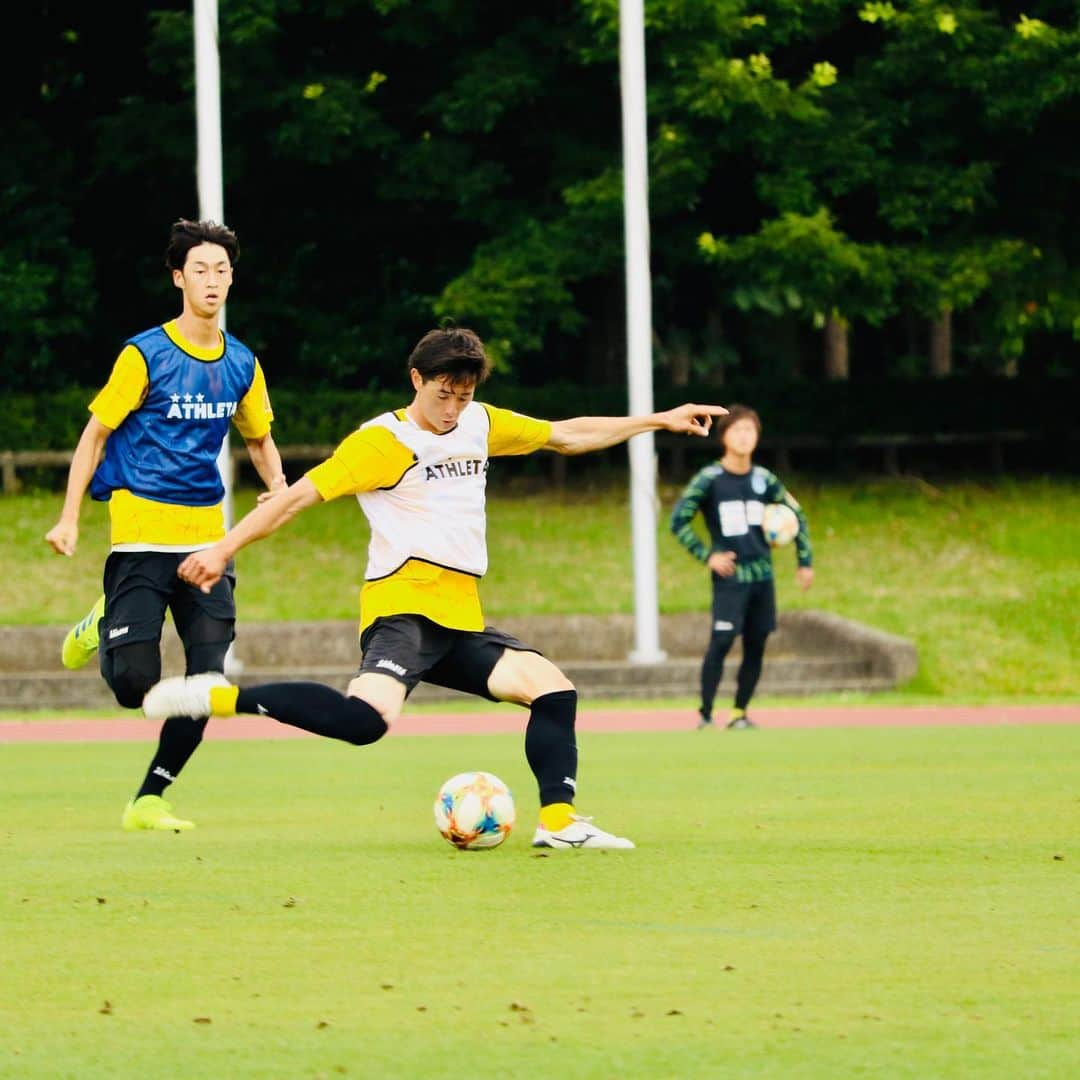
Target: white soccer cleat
x,y
182,696
580,833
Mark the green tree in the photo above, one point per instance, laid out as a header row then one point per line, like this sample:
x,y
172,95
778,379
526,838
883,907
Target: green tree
x,y
924,113
390,161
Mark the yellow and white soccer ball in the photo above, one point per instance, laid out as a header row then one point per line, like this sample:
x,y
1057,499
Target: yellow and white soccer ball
x,y
474,810
780,524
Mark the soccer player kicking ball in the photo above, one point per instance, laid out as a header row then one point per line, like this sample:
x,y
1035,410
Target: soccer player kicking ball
x,y
420,475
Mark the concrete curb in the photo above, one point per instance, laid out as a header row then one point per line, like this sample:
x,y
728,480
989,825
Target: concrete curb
x,y
812,652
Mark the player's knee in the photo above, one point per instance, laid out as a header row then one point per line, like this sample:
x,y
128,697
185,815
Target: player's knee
x,y
523,677
131,670
382,693
541,676
754,644
129,686
566,699
720,642
558,683
363,723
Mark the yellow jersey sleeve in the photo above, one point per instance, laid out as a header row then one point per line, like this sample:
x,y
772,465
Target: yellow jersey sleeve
x,y
125,390
366,460
512,433
254,414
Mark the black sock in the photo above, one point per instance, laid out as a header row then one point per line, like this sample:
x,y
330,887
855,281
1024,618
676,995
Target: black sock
x,y
316,708
180,736
551,747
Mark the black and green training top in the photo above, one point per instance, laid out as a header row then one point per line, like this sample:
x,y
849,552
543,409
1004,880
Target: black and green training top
x,y
732,505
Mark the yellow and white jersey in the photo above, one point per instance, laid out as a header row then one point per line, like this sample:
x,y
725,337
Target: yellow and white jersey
x,y
424,495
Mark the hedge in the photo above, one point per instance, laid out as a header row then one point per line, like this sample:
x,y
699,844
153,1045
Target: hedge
x,y
831,409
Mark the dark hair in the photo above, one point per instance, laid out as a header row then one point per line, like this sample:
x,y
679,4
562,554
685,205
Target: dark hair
x,y
452,351
185,235
736,412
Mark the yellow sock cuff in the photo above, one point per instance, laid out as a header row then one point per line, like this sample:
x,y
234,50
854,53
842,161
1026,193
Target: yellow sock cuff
x,y
737,713
555,816
223,700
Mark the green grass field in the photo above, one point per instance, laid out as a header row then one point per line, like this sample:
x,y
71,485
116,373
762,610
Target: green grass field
x,y
983,576
828,903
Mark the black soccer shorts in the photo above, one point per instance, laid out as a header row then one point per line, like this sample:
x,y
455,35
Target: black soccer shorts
x,y
413,649
141,585
743,607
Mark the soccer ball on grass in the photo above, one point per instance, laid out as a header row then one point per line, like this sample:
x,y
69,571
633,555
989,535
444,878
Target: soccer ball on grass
x,y
474,810
780,524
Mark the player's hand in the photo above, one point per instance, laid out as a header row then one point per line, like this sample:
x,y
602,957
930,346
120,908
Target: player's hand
x,y
691,419
722,563
279,484
63,537
805,577
203,568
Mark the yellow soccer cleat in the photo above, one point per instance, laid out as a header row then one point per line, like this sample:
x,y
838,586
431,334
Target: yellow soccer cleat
x,y
82,639
152,812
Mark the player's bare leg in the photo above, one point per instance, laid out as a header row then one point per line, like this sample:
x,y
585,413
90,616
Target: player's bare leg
x,y
522,677
382,692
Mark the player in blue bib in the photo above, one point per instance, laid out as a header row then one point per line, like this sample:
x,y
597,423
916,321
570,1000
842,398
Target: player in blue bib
x,y
167,448
150,449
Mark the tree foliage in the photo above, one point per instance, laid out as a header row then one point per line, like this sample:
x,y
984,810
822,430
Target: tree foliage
x,y
389,162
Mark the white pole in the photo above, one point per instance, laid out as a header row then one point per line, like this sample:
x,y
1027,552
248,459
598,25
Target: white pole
x,y
208,166
212,195
643,502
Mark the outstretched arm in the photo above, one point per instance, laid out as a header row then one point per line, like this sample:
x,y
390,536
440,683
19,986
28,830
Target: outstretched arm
x,y
204,568
586,433
64,535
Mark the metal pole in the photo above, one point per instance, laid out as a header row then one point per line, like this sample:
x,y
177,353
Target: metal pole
x,y
643,500
208,166
211,186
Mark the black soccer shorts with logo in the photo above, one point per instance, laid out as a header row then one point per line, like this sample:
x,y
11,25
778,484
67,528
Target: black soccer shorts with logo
x,y
141,585
743,607
413,649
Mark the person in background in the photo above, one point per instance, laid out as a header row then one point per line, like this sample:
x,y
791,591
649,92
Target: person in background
x,y
731,495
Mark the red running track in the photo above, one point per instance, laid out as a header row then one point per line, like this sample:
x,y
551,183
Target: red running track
x,y
133,729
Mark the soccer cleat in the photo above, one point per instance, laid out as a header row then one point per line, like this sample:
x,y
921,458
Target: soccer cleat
x,y
152,812
741,723
704,722
580,833
82,639
182,696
